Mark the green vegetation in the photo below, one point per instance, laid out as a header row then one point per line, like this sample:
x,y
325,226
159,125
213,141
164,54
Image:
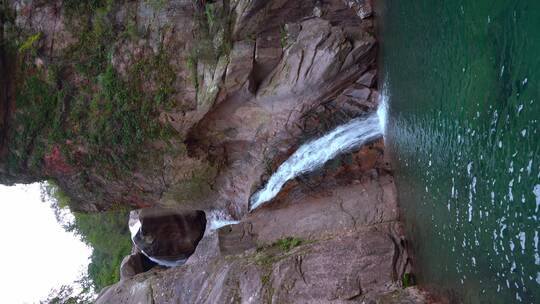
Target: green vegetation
x,y
106,233
67,294
7,27
263,258
75,110
210,15
214,37
192,68
269,254
283,37
265,279
111,116
121,117
76,9
289,243
41,106
157,4
29,43
408,280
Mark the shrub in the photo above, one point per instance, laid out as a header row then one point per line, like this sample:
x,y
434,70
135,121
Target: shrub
x,y
106,233
288,243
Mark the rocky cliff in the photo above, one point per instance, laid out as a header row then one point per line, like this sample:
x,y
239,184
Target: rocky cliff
x,y
191,105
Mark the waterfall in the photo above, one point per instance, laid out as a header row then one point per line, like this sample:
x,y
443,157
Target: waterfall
x,y
316,153
382,110
218,219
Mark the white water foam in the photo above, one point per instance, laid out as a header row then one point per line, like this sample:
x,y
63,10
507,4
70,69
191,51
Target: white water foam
x,y
218,219
166,263
316,153
382,110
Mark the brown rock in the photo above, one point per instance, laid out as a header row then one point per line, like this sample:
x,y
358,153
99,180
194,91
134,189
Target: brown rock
x,y
167,236
296,69
368,78
134,264
240,65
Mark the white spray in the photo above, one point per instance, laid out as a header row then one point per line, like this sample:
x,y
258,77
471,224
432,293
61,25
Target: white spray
x,y
316,153
219,218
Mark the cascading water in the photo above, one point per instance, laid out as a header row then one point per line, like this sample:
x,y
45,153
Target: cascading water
x,y
218,219
316,153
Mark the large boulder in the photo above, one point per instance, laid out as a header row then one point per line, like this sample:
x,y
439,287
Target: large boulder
x,y
167,236
332,236
191,105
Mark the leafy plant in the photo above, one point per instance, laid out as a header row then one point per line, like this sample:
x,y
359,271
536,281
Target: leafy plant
x,y
289,243
214,33
29,42
106,233
157,4
69,294
283,37
209,11
408,280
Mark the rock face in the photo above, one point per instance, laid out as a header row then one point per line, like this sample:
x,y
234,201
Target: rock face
x,y
133,264
216,91
192,105
165,235
335,242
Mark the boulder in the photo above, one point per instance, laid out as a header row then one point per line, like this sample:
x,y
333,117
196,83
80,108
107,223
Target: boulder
x,y
165,235
134,264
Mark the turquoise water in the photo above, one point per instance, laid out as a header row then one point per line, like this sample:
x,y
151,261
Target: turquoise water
x,y
462,79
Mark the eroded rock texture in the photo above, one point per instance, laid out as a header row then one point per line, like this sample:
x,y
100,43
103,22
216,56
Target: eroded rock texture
x,y
333,237
192,104
179,103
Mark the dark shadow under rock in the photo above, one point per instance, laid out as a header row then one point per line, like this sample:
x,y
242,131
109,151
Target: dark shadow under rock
x,y
167,236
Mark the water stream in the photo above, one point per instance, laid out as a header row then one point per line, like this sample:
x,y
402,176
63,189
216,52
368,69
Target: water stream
x,y
314,154
218,218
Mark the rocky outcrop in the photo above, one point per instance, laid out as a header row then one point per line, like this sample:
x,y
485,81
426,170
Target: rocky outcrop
x,y
166,236
332,238
133,264
216,91
191,105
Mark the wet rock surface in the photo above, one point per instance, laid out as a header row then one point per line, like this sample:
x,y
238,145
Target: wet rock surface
x,y
239,85
133,264
337,242
232,111
167,236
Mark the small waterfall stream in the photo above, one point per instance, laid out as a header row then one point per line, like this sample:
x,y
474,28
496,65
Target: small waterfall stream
x,y
316,153
219,218
308,157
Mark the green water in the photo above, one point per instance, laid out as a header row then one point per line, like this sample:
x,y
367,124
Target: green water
x,y
462,78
